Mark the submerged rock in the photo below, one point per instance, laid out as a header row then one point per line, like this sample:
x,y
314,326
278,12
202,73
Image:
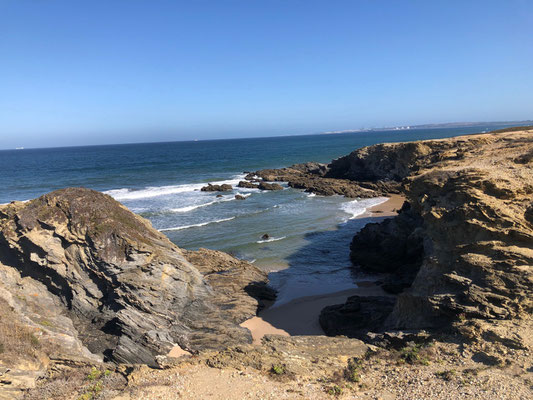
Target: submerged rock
x,y
239,197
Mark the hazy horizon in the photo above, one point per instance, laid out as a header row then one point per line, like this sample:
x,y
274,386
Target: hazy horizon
x,y
429,126
77,74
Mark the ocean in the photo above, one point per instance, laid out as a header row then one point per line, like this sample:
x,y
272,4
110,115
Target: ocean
x,y
308,249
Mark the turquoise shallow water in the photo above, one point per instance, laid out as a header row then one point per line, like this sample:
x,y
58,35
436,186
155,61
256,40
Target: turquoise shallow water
x,y
308,251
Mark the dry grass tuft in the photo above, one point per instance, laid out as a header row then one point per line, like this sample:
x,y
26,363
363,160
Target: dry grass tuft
x,y
16,340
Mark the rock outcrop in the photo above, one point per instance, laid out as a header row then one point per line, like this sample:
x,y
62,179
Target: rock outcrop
x,y
77,263
312,178
394,246
468,238
248,185
270,186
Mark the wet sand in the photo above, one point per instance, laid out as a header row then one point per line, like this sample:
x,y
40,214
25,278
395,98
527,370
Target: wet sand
x,y
300,316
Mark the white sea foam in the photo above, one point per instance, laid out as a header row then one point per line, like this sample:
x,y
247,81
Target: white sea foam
x,y
271,240
356,208
193,207
178,228
196,206
155,191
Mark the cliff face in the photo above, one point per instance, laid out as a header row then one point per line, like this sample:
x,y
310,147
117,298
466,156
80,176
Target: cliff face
x,y
103,277
474,197
478,260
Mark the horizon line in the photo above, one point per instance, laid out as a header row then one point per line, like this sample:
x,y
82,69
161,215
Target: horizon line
x,y
359,130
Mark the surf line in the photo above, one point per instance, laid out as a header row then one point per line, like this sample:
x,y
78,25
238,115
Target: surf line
x,y
178,228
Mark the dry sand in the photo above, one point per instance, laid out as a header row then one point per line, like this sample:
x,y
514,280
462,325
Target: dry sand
x,y
300,316
389,208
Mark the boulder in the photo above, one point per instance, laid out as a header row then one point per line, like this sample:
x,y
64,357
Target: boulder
x,y
239,197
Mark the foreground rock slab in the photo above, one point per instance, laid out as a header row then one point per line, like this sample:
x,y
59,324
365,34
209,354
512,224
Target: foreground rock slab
x,y
115,287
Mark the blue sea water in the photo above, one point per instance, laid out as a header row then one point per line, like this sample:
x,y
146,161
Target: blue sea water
x,y
309,240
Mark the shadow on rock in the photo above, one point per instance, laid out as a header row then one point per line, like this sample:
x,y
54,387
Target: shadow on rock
x,y
320,274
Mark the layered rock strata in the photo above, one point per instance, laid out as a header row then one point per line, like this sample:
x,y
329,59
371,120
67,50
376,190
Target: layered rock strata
x,y
114,286
465,248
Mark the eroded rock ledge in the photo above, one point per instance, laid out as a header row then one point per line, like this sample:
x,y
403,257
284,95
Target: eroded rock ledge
x,y
85,273
318,178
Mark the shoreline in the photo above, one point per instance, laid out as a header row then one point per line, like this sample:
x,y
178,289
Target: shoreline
x,y
388,208
300,316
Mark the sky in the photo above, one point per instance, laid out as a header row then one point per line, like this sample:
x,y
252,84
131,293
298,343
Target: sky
x,y
119,71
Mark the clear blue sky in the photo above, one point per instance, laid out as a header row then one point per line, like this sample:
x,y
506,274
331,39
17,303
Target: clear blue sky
x,y
87,72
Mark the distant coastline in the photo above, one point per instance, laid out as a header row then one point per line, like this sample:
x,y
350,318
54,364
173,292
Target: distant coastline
x,y
433,126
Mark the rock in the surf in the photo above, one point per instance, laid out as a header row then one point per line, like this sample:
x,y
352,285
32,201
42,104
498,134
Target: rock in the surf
x,y
270,186
248,185
312,177
217,188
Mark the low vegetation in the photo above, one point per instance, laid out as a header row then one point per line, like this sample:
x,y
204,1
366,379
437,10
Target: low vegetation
x,y
278,369
415,354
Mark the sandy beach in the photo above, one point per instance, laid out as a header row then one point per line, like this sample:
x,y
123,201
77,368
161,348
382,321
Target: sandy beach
x,y
388,208
300,316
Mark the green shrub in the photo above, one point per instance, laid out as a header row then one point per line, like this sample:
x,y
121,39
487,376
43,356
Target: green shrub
x,y
352,371
412,355
94,374
278,369
334,390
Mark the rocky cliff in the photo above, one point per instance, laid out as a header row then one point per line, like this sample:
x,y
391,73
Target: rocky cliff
x,y
90,279
464,249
